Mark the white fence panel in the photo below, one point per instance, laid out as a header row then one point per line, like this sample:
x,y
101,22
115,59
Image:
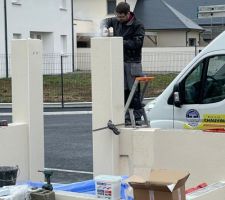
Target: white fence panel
x,y
172,59
155,59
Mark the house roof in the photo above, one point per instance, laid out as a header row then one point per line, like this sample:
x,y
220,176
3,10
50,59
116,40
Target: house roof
x,y
170,14
190,9
159,15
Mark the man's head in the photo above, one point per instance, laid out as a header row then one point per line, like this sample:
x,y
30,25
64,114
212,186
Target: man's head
x,y
123,12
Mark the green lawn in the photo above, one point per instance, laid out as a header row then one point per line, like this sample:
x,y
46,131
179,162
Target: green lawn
x,y
77,87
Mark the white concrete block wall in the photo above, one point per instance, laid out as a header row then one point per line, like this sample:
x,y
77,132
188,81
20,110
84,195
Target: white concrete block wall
x,y
200,153
136,160
14,148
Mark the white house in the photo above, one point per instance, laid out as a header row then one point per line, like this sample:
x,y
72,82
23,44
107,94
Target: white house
x,y
48,20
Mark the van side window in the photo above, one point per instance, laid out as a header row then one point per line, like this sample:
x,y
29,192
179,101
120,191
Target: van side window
x,y
192,85
214,89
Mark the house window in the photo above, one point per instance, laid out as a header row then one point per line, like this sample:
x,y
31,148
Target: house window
x,y
17,36
111,5
63,44
16,2
63,5
34,35
192,42
39,36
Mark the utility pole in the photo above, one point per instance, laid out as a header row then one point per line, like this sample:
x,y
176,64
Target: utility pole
x,y
72,35
6,41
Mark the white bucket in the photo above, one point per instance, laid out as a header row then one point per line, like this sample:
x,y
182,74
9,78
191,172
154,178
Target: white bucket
x,y
108,187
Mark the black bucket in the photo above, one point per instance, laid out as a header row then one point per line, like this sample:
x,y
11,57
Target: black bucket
x,y
8,175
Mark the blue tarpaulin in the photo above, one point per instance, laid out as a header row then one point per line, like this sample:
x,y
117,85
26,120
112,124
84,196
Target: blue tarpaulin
x,y
85,187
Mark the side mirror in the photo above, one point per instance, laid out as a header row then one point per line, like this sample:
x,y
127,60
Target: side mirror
x,y
176,95
176,99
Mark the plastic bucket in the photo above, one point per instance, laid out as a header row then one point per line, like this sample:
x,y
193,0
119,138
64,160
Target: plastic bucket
x,y
108,187
8,175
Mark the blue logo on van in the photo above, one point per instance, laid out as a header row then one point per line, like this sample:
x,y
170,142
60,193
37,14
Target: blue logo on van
x,y
193,117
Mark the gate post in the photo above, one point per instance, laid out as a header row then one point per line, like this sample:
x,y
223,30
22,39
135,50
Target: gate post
x,y
107,101
27,99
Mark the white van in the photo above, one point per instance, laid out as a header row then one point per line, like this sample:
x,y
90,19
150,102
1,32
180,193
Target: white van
x,y
195,99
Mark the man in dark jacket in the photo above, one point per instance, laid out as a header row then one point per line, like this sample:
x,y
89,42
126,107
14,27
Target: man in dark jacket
x,y
127,26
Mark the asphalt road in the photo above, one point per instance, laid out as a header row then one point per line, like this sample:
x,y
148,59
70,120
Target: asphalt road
x,y
68,145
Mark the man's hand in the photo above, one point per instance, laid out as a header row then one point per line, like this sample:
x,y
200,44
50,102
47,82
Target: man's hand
x,y
105,32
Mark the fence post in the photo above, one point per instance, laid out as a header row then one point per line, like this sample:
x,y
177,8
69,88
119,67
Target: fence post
x,y
62,85
195,49
6,41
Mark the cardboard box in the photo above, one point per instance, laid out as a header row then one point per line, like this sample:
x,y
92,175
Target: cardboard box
x,y
161,185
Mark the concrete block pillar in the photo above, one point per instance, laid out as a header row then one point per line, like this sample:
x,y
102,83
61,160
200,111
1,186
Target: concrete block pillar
x,y
107,101
27,99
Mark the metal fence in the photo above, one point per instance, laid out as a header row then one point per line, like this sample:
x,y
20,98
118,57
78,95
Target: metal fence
x,y
63,82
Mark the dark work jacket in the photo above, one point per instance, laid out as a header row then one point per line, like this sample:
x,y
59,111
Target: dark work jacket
x,y
133,36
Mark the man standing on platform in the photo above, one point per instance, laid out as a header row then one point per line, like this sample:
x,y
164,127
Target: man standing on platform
x,y
126,25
